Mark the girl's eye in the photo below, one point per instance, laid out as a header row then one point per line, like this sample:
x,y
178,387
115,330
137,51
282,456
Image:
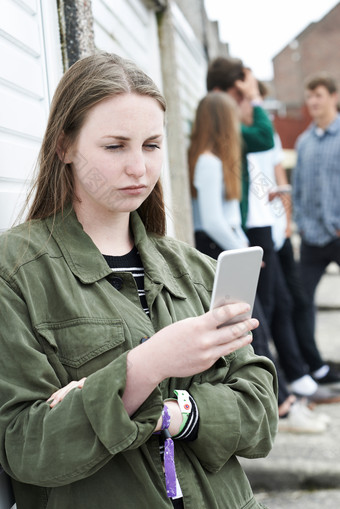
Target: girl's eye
x,y
113,147
147,146
152,146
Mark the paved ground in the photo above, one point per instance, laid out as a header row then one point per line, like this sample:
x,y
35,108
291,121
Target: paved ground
x,y
325,499
303,471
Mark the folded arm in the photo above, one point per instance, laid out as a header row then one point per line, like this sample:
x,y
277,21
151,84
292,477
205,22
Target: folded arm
x,y
119,405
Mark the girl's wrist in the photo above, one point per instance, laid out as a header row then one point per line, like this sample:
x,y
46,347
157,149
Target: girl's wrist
x,y
143,355
176,417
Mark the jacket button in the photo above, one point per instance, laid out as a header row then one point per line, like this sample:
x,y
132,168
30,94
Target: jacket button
x,y
117,282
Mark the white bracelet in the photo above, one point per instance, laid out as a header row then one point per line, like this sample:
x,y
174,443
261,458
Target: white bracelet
x,y
183,399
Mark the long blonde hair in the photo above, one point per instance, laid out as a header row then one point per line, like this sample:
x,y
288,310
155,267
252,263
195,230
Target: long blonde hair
x,y
216,129
86,83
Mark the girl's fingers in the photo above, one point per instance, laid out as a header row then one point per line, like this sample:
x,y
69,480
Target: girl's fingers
x,y
230,333
223,314
81,382
237,344
226,312
228,347
59,395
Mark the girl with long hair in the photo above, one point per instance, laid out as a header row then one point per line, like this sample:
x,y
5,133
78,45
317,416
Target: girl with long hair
x,y
118,387
215,175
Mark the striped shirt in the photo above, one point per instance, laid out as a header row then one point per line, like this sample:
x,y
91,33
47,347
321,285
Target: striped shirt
x,y
131,262
316,184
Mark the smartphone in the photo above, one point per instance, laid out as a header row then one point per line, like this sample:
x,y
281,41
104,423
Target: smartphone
x,y
236,278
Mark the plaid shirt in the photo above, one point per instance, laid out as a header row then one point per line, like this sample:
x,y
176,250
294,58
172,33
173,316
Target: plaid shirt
x,y
316,184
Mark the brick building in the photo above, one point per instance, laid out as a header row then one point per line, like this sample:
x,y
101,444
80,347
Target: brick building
x,y
313,50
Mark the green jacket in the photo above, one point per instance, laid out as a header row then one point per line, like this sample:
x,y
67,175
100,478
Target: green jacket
x,y
61,320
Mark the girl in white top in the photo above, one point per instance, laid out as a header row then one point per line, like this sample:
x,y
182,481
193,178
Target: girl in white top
x,y
215,174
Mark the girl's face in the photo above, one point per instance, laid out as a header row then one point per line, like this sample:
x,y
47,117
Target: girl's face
x,y
117,156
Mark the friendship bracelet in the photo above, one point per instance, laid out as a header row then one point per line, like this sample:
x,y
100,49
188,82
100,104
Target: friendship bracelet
x,y
183,400
165,418
189,431
169,455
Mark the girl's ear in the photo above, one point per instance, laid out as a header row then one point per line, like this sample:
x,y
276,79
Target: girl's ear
x,y
63,152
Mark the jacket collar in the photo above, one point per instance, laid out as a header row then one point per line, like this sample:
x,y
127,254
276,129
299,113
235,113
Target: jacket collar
x,y
81,254
156,268
86,261
332,128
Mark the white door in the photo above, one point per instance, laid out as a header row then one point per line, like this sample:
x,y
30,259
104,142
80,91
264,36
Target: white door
x,y
30,67
191,68
128,28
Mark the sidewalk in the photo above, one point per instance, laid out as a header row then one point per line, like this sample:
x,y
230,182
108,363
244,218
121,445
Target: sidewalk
x,y
304,470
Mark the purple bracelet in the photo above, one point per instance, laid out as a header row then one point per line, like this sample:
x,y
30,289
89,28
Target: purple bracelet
x,y
165,418
169,455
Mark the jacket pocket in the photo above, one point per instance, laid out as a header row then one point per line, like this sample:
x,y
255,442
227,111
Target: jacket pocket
x,y
84,345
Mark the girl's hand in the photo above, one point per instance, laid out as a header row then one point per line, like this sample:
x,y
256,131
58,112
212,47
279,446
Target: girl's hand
x,y
182,349
59,395
192,345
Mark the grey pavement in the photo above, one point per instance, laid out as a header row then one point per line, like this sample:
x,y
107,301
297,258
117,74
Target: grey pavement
x,y
325,499
303,470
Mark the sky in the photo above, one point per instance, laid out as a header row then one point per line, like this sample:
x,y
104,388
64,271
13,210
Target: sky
x,y
256,30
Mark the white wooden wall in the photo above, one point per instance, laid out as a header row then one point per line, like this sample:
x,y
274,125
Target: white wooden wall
x,y
191,68
30,66
128,28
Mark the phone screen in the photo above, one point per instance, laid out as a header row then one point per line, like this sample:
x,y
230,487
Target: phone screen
x,y
236,277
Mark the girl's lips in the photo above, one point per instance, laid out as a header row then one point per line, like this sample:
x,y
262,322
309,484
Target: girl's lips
x,y
133,189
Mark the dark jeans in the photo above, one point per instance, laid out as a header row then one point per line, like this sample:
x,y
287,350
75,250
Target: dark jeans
x,y
277,306
303,318
207,245
313,263
178,503
261,339
263,237
282,328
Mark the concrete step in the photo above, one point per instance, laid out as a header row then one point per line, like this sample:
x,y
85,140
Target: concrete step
x,y
300,461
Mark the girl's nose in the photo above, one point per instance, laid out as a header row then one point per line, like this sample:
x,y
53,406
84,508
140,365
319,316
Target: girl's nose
x,y
135,165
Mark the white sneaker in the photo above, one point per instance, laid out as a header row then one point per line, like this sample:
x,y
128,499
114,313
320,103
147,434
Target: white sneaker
x,y
304,386
314,415
301,420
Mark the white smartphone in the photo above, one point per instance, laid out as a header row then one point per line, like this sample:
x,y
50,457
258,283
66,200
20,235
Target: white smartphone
x,y
236,278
